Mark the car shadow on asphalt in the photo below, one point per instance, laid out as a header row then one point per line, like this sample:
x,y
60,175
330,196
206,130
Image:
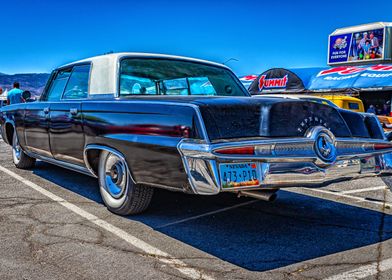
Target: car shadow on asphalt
x,y
258,236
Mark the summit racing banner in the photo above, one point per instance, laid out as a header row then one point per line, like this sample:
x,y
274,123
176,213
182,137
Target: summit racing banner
x,y
277,80
272,83
353,77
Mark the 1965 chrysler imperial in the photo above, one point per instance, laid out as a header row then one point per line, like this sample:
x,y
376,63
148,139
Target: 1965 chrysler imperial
x,y
141,121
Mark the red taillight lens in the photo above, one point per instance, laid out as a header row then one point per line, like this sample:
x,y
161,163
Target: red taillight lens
x,y
382,146
237,151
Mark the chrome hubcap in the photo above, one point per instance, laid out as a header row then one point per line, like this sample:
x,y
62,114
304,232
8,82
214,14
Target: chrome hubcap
x,y
115,176
17,149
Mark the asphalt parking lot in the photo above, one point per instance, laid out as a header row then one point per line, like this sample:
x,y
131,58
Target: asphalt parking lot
x,y
54,226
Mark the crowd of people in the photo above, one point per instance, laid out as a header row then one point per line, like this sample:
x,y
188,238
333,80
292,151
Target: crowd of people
x,y
16,95
383,110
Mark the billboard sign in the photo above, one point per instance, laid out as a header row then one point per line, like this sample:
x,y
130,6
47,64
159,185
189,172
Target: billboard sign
x,y
339,47
361,46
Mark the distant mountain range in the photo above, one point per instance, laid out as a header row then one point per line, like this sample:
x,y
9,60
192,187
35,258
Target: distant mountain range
x,y
33,82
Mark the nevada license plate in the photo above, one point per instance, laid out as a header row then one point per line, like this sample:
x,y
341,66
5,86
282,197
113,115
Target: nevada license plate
x,y
369,165
234,175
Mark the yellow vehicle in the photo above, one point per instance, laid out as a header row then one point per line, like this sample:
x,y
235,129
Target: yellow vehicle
x,y
356,104
346,102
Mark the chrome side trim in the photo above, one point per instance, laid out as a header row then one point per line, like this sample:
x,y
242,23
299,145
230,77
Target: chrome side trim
x,y
63,164
169,188
361,148
108,149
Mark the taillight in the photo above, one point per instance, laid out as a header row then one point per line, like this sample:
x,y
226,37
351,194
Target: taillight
x,y
237,151
382,146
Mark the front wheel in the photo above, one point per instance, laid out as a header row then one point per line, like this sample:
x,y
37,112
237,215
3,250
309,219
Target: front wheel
x,y
119,193
21,160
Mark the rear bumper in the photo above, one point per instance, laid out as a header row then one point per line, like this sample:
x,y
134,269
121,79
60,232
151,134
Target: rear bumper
x,y
290,162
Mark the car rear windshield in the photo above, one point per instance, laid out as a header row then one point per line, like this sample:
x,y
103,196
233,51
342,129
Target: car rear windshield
x,y
176,77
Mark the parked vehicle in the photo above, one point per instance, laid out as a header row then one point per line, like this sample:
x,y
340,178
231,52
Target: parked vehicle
x,y
144,121
346,102
356,105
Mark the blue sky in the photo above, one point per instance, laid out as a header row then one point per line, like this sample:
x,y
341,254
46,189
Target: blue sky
x,y
37,36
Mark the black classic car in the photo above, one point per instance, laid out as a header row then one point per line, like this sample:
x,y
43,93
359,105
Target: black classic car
x,y
144,121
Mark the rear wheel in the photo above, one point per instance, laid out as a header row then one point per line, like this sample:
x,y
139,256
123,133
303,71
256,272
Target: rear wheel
x,y
21,160
119,193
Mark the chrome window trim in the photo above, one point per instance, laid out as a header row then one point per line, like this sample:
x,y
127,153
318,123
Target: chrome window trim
x,y
53,76
176,58
88,82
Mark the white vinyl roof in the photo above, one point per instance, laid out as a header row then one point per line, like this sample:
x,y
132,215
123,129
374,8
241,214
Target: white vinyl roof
x,y
103,77
117,56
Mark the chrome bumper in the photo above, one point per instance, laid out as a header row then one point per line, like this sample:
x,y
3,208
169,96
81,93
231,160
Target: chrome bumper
x,y
286,162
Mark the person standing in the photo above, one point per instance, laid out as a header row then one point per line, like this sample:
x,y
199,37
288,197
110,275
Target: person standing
x,y
371,110
374,43
15,95
361,45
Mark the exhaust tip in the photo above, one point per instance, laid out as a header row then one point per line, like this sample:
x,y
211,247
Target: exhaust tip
x,y
269,195
273,197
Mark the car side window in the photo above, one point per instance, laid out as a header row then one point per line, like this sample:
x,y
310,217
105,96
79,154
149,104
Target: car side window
x,y
136,85
56,89
77,86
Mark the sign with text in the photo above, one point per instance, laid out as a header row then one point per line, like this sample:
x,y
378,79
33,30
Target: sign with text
x,y
363,46
339,47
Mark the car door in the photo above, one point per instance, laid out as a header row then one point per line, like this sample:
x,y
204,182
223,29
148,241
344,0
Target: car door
x,y
37,115
66,125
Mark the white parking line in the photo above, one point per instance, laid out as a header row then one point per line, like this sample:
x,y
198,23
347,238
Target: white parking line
x,y
363,271
355,198
134,241
365,190
207,214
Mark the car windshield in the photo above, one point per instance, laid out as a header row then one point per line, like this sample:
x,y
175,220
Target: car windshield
x,y
176,77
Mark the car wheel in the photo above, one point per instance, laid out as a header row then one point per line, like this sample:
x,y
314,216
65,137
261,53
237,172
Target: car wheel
x,y
119,193
21,160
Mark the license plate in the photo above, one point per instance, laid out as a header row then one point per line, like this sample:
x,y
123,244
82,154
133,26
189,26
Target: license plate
x,y
234,175
369,165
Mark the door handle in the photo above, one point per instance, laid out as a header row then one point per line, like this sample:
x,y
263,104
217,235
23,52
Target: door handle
x,y
46,110
73,111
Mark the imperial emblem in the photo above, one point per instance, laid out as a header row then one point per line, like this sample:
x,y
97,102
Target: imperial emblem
x,y
325,147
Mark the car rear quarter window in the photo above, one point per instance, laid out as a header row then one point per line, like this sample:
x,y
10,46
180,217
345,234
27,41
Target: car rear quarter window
x,y
77,86
58,85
